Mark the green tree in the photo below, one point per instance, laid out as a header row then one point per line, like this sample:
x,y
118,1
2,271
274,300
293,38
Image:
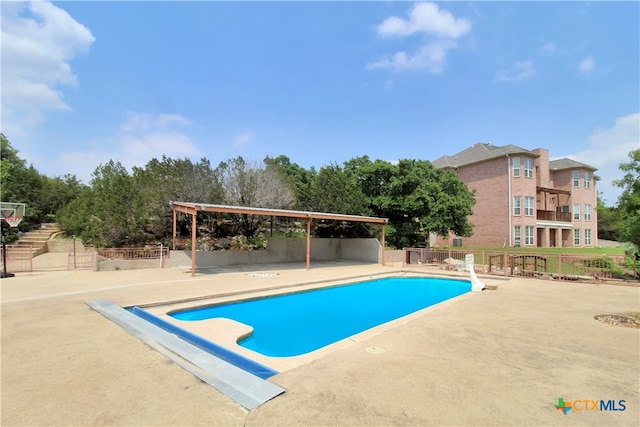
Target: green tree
x,y
297,177
608,221
417,198
336,190
629,200
22,183
112,213
166,180
9,161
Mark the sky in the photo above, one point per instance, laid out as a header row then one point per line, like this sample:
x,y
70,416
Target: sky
x,y
319,82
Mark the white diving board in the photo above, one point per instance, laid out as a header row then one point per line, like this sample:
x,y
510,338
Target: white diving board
x,y
245,388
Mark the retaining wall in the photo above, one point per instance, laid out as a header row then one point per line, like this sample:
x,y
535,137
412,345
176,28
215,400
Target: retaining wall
x,y
279,250
66,246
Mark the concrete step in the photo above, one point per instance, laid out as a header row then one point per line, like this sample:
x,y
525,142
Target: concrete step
x,y
38,238
31,241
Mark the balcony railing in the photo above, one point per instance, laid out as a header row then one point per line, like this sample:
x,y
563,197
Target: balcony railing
x,y
554,216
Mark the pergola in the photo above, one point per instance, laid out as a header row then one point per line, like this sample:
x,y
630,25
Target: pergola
x,y
193,209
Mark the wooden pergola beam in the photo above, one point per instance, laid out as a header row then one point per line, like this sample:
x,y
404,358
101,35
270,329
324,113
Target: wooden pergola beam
x,y
193,209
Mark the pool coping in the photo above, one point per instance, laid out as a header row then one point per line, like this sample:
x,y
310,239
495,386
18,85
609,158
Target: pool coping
x,y
227,332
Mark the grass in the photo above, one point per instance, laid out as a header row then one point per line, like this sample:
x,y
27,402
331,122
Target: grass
x,y
575,266
529,250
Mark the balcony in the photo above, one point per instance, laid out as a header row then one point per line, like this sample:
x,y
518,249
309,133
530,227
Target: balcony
x,y
553,216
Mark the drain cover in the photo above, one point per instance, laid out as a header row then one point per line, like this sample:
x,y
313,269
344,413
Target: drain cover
x,y
375,350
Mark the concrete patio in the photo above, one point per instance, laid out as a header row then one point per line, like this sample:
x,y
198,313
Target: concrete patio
x,y
501,357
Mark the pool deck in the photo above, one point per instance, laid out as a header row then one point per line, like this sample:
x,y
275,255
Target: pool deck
x,y
500,357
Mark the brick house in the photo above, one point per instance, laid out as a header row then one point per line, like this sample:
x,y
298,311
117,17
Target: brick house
x,y
523,199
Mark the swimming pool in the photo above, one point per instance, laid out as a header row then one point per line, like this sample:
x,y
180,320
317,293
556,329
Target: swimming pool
x,y
298,323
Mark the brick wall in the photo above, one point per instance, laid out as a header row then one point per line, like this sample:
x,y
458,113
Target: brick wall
x,y
490,214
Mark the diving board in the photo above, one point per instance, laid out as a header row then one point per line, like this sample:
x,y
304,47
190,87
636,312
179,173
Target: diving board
x,y
245,388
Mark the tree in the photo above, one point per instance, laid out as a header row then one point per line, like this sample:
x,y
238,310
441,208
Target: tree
x,y
254,185
9,161
336,190
608,221
166,180
417,198
43,195
297,177
111,213
629,200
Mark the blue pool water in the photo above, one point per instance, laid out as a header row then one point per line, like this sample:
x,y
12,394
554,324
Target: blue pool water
x,y
297,323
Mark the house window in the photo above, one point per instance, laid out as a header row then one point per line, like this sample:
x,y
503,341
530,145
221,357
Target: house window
x,y
528,168
528,205
516,205
587,237
517,235
576,211
576,178
587,213
587,180
516,166
529,230
576,237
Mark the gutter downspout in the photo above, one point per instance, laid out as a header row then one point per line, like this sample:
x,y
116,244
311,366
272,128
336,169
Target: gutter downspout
x,y
510,201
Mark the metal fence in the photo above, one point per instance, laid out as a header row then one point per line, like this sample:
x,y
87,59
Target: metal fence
x,y
19,258
443,258
149,252
554,266
85,260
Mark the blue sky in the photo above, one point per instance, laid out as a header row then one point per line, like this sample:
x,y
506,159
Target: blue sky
x,y
320,82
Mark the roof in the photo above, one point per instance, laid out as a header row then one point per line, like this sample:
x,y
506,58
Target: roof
x,y
561,164
192,208
480,152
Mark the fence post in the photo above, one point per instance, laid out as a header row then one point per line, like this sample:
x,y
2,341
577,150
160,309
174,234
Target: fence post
x,y
505,258
559,266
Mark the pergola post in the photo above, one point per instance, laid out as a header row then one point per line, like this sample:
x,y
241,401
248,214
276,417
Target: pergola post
x,y
193,243
383,243
308,243
173,240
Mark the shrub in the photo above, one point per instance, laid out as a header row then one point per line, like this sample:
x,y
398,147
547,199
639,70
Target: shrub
x,y
600,262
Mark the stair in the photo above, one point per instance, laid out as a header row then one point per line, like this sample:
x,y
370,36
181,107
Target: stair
x,y
38,238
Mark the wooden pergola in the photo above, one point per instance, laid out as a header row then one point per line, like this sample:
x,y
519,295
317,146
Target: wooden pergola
x,y
193,209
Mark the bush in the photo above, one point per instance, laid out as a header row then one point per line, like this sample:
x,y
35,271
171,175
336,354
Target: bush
x,y
600,262
241,243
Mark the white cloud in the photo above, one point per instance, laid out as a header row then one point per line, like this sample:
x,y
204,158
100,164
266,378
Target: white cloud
x,y
587,65
243,139
81,163
607,148
549,47
38,41
142,137
145,136
142,122
425,18
441,29
430,57
520,71
157,144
